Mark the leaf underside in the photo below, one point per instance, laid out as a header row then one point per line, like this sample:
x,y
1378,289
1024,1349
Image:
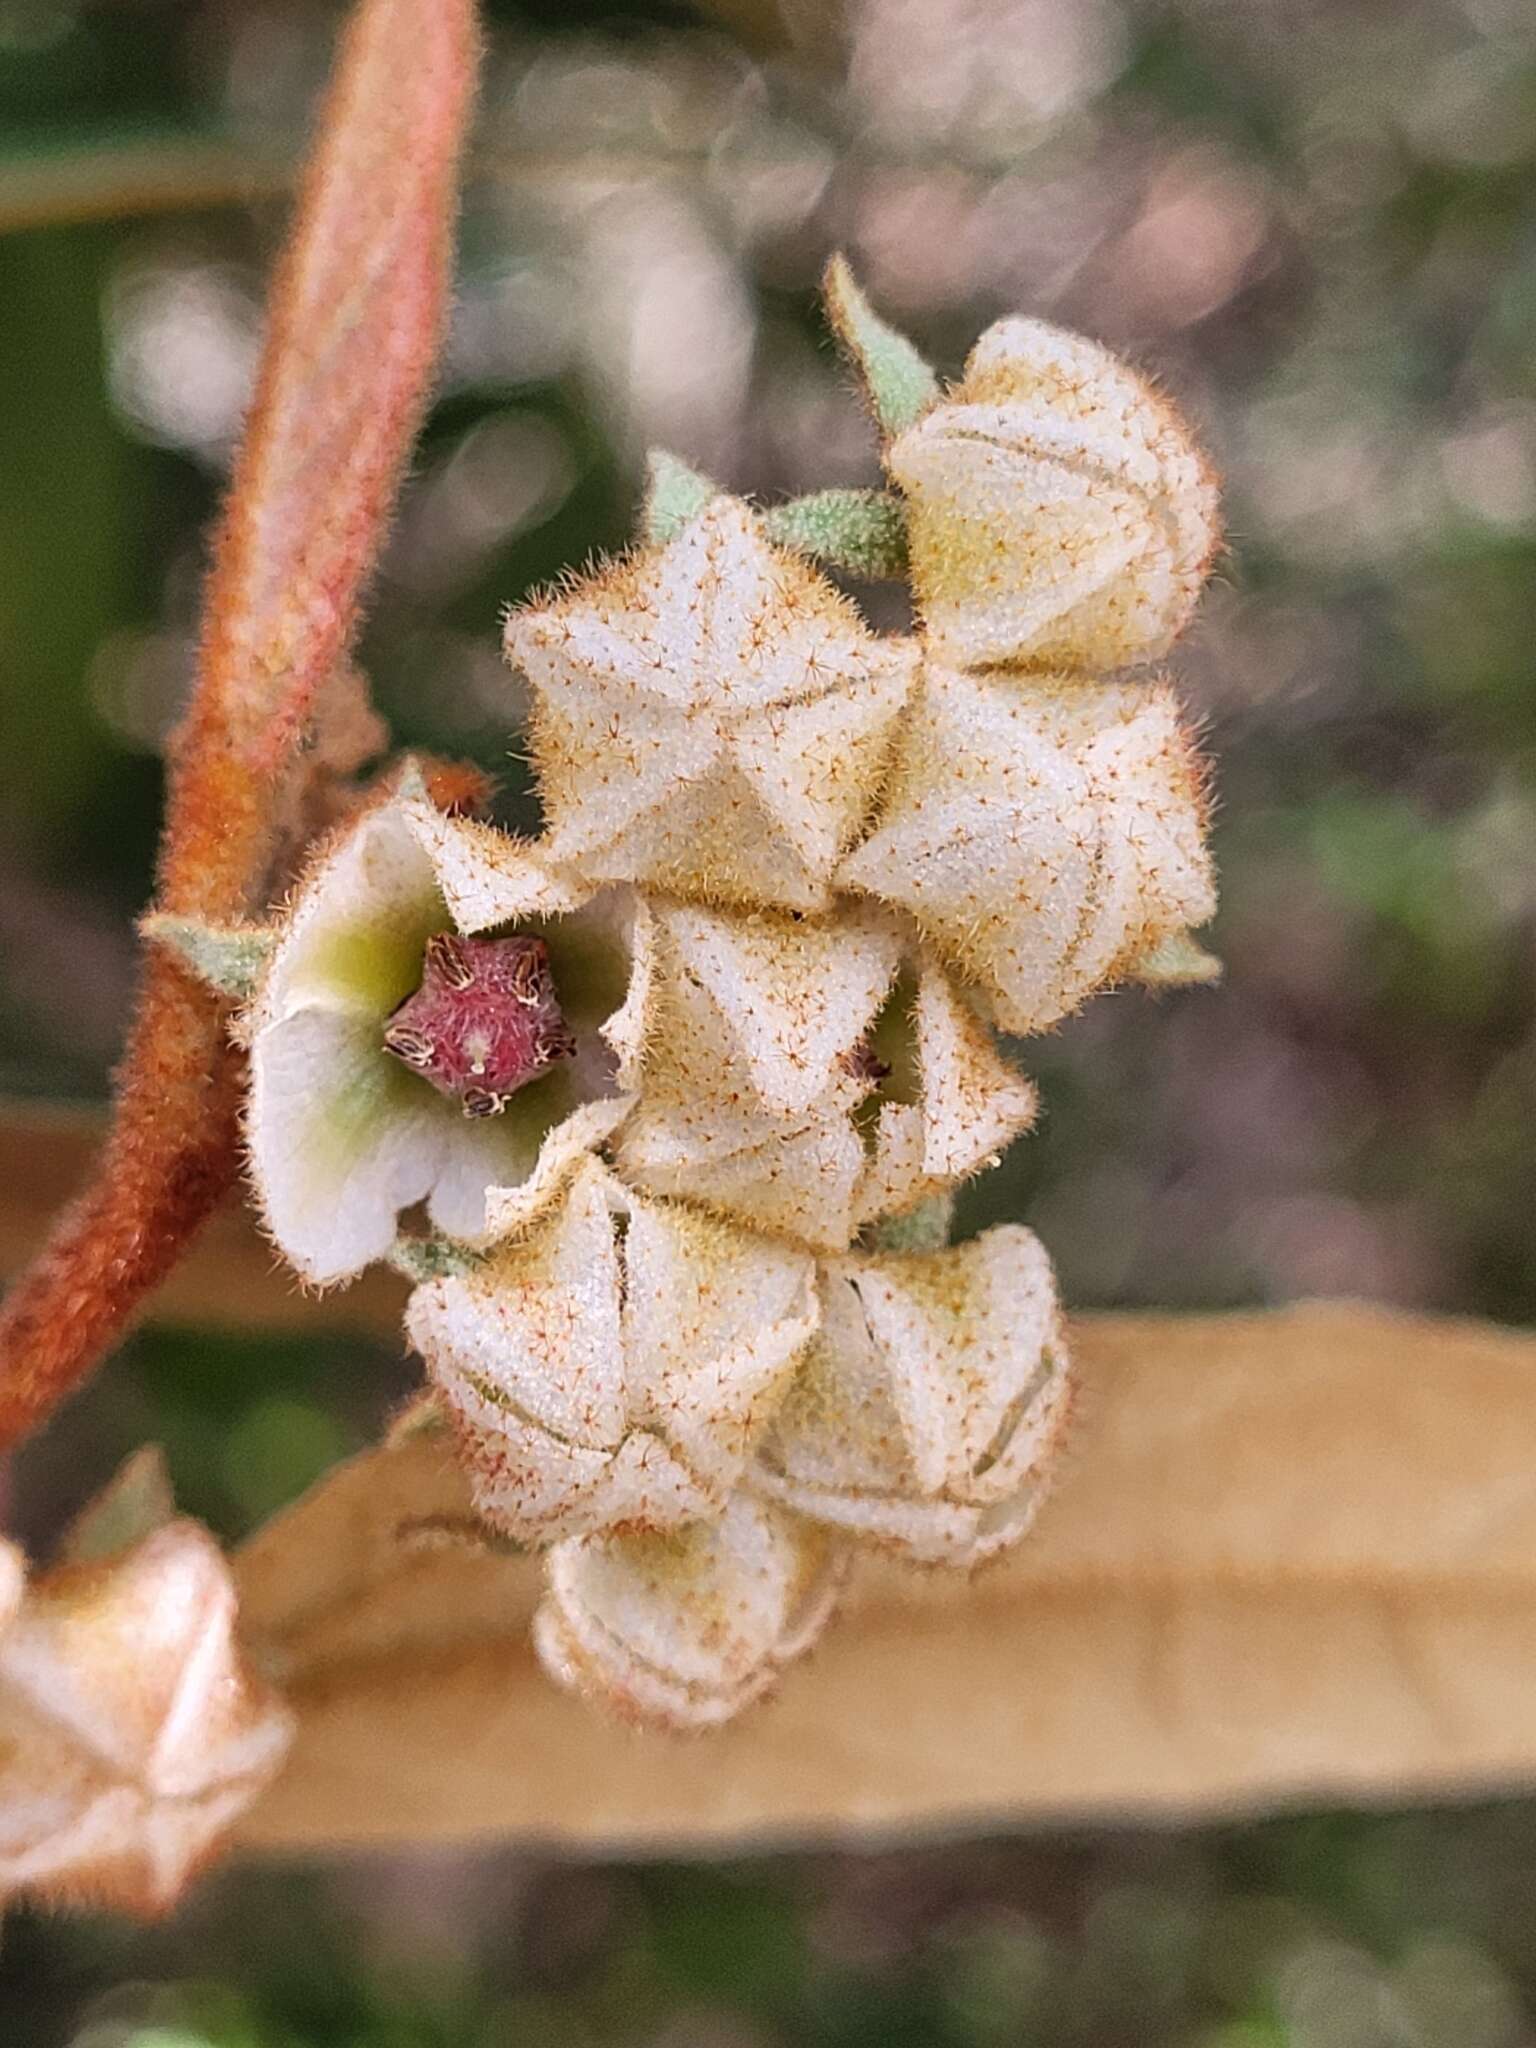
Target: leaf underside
x,y
1292,1559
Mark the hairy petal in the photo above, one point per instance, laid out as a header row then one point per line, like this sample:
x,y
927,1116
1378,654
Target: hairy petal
x,y
1060,513
613,1368
689,1627
1043,835
131,1734
710,716
929,1409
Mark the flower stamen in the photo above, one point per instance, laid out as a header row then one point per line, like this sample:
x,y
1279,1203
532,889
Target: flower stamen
x,y
485,1021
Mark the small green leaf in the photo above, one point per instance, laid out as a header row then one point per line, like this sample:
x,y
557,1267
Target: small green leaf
x,y
133,1504
431,1258
899,384
923,1229
864,532
228,957
1175,962
674,495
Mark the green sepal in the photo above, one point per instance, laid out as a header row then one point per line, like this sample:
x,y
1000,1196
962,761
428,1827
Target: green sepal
x,y
135,1502
923,1229
432,1258
862,532
675,495
899,384
1175,962
227,958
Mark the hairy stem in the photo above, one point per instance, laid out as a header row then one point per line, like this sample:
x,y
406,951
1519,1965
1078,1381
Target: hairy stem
x,y
356,315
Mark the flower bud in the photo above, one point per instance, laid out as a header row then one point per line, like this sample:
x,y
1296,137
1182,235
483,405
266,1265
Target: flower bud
x,y
1060,516
131,1733
615,1367
687,1628
711,718
1043,836
805,1076
929,1407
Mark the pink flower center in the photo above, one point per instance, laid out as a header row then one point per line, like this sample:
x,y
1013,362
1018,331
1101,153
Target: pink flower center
x,y
485,1021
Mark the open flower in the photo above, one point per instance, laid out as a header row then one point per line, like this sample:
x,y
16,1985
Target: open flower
x,y
614,1368
808,1075
929,1406
1060,515
131,1733
1043,836
710,717
396,1059
689,1627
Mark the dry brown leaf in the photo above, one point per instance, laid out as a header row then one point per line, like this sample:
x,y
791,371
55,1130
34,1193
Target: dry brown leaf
x,y
1293,1558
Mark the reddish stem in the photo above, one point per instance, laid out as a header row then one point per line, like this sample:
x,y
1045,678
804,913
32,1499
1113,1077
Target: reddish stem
x,y
356,315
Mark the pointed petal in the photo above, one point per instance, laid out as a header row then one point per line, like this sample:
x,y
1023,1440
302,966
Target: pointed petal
x,y
1041,834
341,1140
795,997
711,717
790,1182
689,1628
1060,513
972,1103
537,1328
510,1211
817,766
487,878
713,1322
1010,550
929,1410
605,772
990,839
130,1733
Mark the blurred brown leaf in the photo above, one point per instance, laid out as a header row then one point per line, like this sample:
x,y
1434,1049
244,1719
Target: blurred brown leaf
x,y
1294,1558
230,1280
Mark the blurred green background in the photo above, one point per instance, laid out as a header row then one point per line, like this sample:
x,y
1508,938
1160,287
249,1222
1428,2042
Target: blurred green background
x,y
1316,220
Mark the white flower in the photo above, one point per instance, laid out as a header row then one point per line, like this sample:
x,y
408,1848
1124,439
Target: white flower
x,y
615,1367
394,1060
1060,516
808,1075
710,717
690,1627
1043,836
929,1406
131,1734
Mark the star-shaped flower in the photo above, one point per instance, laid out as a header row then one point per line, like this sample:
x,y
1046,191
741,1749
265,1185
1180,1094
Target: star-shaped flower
x,y
131,1732
1043,835
1059,513
689,1627
396,1058
930,1405
710,717
616,1365
806,1076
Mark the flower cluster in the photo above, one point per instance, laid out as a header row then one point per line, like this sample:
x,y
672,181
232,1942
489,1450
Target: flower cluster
x,y
664,1111
131,1731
